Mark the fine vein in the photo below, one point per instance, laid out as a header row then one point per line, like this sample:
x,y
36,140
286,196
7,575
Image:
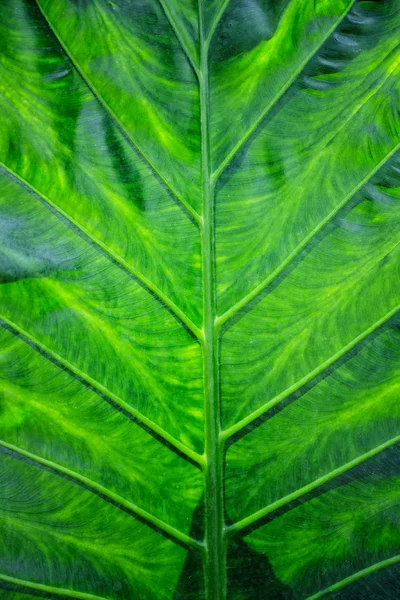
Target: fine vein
x,y
94,487
227,433
257,517
180,316
356,577
185,205
81,375
278,96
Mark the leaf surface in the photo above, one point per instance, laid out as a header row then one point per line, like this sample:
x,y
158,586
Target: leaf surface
x,y
199,299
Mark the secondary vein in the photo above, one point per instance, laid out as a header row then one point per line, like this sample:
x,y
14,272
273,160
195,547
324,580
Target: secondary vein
x,y
188,209
217,173
119,501
181,317
180,36
356,577
81,375
216,20
231,312
258,516
229,432
59,592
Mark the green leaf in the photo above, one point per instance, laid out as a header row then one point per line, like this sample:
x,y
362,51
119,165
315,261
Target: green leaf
x,y
199,299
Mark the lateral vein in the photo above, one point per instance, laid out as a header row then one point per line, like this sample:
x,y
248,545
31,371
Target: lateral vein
x,y
159,431
216,20
277,97
356,577
189,211
94,487
59,592
180,37
230,431
259,515
180,316
227,316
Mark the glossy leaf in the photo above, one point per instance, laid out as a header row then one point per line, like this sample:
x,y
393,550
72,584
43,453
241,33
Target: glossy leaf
x,y
199,269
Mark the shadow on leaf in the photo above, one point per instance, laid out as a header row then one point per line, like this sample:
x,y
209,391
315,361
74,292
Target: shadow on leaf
x,y
250,574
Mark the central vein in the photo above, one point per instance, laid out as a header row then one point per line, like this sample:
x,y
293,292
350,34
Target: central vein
x,y
215,551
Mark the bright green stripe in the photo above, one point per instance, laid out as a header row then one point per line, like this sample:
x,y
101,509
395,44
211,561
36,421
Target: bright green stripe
x,y
117,121
224,318
356,576
278,96
227,433
181,316
260,514
48,588
96,487
96,385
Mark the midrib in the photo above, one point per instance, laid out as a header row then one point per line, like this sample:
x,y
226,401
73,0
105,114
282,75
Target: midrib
x,y
215,549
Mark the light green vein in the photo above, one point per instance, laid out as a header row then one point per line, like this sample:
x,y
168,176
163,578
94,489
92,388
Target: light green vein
x,y
181,37
227,433
151,287
173,533
356,577
214,559
185,450
189,210
216,20
252,519
277,97
227,316
60,592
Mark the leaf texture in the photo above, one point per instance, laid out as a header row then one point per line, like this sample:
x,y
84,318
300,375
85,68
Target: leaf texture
x,y
199,299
